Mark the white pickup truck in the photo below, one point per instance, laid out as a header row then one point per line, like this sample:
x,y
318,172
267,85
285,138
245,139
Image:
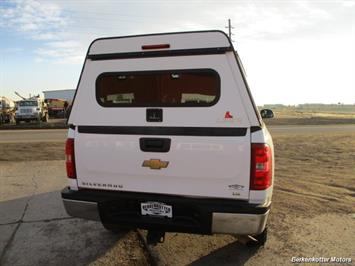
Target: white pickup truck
x,y
164,135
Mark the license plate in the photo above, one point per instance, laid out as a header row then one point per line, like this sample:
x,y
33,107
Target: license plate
x,y
156,209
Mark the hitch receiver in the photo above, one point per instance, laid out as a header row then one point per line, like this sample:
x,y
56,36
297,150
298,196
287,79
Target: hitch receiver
x,y
154,237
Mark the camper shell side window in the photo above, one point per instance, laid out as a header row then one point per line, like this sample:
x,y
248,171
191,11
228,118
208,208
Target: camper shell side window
x,y
164,88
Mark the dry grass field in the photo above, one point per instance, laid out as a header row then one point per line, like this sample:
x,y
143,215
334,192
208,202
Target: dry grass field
x,y
312,115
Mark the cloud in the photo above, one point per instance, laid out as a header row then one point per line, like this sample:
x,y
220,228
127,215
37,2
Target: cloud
x,y
32,17
66,28
62,52
348,3
41,21
254,20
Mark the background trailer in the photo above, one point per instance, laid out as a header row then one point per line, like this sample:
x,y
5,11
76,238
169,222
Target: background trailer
x,y
67,95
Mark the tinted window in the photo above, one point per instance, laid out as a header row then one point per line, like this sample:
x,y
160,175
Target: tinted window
x,y
158,88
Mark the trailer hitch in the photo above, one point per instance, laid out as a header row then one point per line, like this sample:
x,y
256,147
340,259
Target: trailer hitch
x,y
154,237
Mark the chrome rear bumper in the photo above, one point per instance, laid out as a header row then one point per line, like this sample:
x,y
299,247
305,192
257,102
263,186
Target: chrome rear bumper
x,y
239,223
211,218
82,209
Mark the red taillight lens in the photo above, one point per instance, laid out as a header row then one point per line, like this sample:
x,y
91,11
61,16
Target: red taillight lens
x,y
70,159
261,166
155,46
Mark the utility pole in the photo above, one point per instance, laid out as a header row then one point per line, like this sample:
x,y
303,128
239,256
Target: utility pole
x,y
229,27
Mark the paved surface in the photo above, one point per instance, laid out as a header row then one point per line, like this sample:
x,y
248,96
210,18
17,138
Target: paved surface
x,y
35,229
47,135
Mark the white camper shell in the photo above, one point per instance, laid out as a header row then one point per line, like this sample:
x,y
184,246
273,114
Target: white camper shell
x,y
164,135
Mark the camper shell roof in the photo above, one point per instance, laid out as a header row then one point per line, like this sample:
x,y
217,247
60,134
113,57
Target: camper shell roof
x,y
160,44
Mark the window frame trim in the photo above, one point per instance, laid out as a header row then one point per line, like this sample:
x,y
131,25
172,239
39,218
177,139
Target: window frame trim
x,y
198,70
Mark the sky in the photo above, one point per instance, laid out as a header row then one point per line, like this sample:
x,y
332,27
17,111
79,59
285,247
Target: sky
x,y
293,51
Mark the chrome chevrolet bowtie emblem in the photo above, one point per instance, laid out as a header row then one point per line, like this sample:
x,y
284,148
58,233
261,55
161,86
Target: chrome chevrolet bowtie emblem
x,y
155,164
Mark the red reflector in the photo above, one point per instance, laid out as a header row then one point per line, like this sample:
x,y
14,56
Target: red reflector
x,y
69,158
155,46
261,166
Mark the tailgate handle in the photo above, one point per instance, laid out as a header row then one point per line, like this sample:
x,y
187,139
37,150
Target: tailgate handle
x,y
154,144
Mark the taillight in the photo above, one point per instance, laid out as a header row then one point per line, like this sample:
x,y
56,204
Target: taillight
x,y
70,159
261,166
155,46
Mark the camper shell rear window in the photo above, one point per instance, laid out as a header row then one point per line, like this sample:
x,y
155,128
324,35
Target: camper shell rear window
x,y
167,88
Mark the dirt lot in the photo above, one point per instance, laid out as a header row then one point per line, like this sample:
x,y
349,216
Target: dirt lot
x,y
39,151
313,211
51,124
312,116
318,120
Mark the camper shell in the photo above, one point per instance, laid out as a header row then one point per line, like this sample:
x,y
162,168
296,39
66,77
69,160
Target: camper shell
x,y
164,135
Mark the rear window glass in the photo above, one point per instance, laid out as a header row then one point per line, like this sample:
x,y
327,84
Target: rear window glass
x,y
158,88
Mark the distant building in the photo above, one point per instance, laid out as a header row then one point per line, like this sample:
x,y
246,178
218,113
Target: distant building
x,y
67,95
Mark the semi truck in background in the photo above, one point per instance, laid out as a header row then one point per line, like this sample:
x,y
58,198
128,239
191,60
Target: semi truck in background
x,y
31,109
7,110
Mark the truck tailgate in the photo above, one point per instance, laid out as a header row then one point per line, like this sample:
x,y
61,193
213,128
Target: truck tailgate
x,y
203,166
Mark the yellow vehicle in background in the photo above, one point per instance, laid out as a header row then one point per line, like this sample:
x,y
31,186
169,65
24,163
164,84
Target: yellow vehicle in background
x,y
57,108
